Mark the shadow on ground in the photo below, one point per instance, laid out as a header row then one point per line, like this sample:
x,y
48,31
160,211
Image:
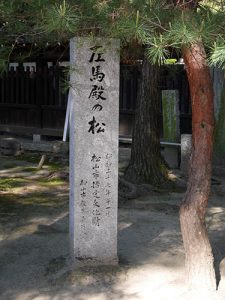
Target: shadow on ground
x,y
34,253
37,264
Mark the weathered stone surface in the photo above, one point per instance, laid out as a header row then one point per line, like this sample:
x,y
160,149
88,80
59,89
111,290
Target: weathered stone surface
x,y
9,146
61,147
39,147
94,150
36,138
17,145
9,143
56,147
171,115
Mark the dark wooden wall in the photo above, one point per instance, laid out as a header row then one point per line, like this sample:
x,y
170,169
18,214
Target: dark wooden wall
x,y
172,77
35,101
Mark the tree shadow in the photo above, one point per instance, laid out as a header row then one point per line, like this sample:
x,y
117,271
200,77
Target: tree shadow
x,y
216,224
37,263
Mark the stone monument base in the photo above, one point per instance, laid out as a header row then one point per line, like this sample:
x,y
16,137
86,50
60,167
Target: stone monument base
x,y
79,262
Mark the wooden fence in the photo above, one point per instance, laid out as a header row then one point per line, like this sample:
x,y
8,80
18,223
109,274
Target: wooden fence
x,y
171,78
34,102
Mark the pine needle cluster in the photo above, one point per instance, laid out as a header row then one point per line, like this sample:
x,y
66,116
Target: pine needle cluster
x,y
165,29
160,25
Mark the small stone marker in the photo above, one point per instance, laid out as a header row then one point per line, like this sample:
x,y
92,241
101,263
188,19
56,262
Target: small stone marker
x,y
218,83
94,126
36,138
171,125
171,116
219,106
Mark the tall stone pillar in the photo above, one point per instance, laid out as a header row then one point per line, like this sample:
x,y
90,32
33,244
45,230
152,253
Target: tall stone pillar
x,y
94,124
171,115
171,126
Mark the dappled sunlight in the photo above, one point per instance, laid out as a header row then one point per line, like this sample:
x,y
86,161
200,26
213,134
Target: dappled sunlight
x,y
151,238
216,218
27,189
16,172
215,210
17,202
153,282
48,187
23,230
34,252
124,225
32,225
150,248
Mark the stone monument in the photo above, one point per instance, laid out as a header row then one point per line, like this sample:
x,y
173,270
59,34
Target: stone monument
x,y
171,126
219,109
94,126
218,84
171,115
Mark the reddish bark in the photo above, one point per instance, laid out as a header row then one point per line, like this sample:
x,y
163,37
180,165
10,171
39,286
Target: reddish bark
x,y
198,252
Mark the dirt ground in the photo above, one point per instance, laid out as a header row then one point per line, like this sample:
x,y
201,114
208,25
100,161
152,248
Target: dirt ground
x,y
34,252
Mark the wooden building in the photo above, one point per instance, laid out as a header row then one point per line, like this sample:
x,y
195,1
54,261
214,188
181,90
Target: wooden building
x,y
33,97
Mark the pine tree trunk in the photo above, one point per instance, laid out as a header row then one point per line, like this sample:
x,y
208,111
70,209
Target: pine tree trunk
x,y
199,258
146,164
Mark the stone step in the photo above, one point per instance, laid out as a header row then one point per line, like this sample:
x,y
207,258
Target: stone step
x,y
15,146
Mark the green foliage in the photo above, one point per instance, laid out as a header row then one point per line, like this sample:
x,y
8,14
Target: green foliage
x,y
160,25
157,52
217,57
170,61
9,183
3,65
178,29
61,17
215,5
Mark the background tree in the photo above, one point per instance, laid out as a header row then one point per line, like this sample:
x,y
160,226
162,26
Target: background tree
x,y
146,164
194,29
